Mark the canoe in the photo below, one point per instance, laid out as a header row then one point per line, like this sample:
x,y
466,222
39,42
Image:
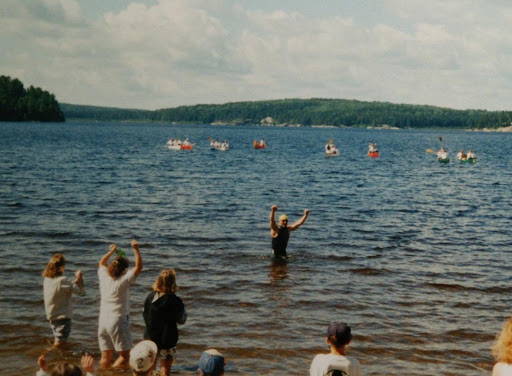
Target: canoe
x,y
373,154
443,160
332,153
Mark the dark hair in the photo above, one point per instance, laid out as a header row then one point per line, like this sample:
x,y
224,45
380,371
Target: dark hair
x,y
339,334
118,267
65,369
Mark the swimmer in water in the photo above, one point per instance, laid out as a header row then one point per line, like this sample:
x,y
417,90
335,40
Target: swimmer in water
x,y
281,233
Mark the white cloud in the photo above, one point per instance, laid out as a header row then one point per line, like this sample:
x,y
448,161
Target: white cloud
x,y
174,52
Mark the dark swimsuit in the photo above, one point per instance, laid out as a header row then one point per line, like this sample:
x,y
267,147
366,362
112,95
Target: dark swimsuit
x,y
280,242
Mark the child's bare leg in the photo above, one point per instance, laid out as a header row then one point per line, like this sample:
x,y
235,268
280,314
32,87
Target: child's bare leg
x,y
165,367
122,360
106,358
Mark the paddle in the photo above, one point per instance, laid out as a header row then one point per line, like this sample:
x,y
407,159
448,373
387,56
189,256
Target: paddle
x,y
429,151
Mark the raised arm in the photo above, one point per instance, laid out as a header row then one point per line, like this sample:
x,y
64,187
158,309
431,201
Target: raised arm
x,y
106,256
272,219
138,258
78,283
300,222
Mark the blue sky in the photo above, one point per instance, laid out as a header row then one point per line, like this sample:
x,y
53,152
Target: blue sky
x,y
165,53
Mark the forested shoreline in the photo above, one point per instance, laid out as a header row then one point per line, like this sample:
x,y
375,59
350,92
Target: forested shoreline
x,y
32,104
36,104
305,112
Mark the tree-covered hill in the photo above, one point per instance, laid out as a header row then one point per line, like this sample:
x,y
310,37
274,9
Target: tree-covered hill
x,y
32,104
339,112
76,111
316,111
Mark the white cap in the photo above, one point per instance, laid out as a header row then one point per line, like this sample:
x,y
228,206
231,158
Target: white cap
x,y
143,356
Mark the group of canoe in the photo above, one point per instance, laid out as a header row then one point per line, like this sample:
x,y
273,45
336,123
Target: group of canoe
x,y
331,150
462,156
177,144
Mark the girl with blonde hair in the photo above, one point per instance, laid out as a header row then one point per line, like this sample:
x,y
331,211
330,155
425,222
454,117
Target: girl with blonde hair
x,y
502,351
57,291
163,310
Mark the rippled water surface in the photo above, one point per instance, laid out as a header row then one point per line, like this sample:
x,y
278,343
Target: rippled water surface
x,y
414,255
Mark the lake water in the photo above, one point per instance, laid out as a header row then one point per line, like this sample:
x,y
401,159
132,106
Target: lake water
x,y
413,254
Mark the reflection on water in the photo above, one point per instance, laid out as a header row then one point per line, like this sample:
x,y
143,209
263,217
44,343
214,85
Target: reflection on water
x,y
278,270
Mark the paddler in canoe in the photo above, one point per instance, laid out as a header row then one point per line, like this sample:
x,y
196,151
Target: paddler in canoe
x,y
259,144
373,150
442,155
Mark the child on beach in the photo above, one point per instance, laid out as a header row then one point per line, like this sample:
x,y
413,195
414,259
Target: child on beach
x,y
336,362
66,369
57,290
163,310
211,363
502,351
114,324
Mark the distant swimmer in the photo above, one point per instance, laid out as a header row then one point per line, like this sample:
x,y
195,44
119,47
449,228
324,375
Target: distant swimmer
x,y
281,233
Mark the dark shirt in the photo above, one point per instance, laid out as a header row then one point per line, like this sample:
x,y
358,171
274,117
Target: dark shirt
x,y
280,242
161,318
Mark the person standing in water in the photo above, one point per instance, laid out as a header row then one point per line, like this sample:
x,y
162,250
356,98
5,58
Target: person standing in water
x,y
281,233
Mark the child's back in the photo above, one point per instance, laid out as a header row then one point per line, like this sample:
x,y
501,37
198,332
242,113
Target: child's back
x,y
162,313
163,310
57,291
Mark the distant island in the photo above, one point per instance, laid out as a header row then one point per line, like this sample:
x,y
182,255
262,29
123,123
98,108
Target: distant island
x,y
318,112
32,104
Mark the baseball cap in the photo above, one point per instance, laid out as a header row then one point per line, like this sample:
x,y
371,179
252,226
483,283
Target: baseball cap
x,y
283,217
341,331
143,355
211,362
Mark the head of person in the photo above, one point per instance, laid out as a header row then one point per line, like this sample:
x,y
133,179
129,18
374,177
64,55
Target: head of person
x,y
211,363
502,348
283,220
339,334
64,369
143,357
118,267
55,266
165,282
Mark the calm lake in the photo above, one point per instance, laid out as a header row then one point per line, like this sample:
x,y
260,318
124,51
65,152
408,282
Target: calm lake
x,y
413,254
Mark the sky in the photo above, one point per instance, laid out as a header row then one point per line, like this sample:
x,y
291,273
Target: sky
x,y
152,54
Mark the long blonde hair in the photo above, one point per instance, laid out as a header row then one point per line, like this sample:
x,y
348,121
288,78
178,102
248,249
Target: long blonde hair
x,y
165,282
502,348
55,265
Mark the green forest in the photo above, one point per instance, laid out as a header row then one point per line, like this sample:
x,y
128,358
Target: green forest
x,y
32,104
76,111
36,104
315,111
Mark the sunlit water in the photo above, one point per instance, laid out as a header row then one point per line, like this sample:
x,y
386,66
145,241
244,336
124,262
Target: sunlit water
x,y
413,254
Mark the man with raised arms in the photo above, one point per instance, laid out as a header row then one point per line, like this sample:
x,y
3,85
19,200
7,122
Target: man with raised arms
x,y
281,233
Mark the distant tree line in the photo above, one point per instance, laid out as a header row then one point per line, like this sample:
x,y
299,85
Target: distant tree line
x,y
32,104
338,112
315,111
75,111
